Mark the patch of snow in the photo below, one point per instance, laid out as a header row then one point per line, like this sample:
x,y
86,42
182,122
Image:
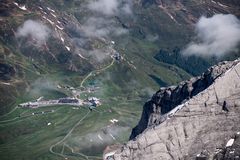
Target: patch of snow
x,y
213,2
230,69
231,152
238,132
58,22
68,48
62,39
161,6
50,9
112,136
49,124
230,142
81,56
6,83
40,8
175,110
32,113
50,21
53,15
222,5
15,3
112,42
171,16
59,27
109,155
236,60
131,65
100,137
23,7
113,120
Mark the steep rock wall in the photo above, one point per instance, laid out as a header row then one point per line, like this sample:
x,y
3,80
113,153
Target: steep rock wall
x,y
204,123
167,98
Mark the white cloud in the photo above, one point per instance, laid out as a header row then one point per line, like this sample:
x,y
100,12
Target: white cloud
x,y
96,54
108,7
34,29
152,38
217,36
100,24
101,27
99,54
111,7
127,8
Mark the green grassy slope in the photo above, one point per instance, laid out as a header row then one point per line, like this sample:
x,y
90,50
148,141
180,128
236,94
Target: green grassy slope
x,y
123,86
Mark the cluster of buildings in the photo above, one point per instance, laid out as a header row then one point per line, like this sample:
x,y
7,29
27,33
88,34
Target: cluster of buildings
x,y
92,102
117,56
68,101
29,105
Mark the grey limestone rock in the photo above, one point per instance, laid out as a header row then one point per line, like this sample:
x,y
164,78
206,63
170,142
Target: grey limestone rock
x,y
198,125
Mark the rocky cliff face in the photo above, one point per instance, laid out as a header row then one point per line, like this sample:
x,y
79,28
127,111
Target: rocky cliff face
x,y
194,120
154,111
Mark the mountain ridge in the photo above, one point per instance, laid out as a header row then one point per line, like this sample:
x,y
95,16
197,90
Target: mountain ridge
x,y
168,98
175,135
119,54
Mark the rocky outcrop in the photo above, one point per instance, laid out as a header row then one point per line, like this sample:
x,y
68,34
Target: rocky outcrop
x,y
168,98
189,121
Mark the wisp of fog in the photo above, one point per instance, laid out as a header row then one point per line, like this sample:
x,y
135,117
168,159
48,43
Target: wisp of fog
x,y
216,36
34,29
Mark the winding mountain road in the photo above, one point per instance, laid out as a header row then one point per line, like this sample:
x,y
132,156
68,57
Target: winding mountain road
x,y
66,136
99,70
